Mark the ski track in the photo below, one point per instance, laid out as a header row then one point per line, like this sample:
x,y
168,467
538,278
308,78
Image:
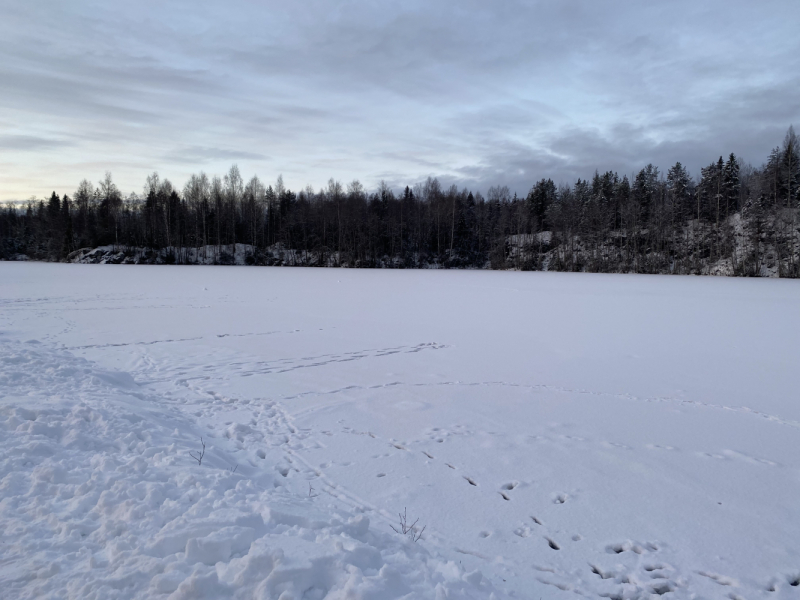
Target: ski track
x,y
558,389
284,365
281,365
565,390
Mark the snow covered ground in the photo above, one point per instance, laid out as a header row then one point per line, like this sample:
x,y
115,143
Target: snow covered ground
x,y
557,435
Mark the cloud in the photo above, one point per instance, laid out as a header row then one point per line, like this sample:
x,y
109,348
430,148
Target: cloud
x,y
199,155
473,92
30,143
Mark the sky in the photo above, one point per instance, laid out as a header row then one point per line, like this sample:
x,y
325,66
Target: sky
x,y
500,92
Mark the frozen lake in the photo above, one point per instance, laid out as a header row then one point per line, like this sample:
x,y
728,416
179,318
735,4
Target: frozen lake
x,y
617,436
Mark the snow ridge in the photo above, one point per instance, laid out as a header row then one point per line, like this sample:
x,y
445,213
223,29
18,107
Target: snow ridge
x,y
100,500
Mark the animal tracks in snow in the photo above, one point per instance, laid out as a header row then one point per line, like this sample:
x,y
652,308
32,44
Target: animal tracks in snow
x,y
560,389
444,455
640,578
735,455
177,340
148,343
523,531
286,365
628,546
720,579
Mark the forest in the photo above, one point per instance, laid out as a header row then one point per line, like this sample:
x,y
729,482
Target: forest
x,y
730,219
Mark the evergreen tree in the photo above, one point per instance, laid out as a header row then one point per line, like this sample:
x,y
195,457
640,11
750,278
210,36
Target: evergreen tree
x,y
678,182
68,244
790,169
605,223
540,198
731,184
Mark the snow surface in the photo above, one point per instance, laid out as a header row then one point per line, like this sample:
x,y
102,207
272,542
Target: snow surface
x,y
556,434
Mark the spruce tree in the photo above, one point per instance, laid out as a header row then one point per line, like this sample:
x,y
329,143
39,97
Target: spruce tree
x,y
731,184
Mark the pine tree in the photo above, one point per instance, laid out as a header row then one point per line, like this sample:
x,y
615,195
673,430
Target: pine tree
x,y
678,186
790,186
731,184
540,198
68,244
790,168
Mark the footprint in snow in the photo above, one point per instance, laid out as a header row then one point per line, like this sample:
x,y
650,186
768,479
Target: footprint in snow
x,y
617,445
601,573
628,546
523,531
662,587
716,577
659,447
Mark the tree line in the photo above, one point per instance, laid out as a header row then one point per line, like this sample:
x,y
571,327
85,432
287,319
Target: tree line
x,y
732,219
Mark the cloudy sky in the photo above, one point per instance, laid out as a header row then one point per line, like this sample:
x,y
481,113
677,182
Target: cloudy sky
x,y
476,93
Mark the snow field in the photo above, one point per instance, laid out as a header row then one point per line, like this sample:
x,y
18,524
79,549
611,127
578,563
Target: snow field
x,y
98,501
622,437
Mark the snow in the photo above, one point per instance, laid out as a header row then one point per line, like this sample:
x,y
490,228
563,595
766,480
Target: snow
x,y
556,434
232,254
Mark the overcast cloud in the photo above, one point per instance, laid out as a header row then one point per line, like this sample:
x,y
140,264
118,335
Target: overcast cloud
x,y
476,93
